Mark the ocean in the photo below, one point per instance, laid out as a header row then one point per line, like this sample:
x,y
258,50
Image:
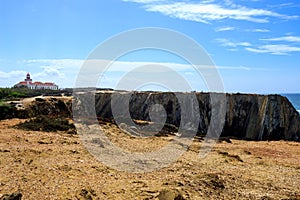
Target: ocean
x,y
294,99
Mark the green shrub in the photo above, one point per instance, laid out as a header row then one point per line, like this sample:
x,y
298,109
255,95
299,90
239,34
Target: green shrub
x,y
6,111
46,123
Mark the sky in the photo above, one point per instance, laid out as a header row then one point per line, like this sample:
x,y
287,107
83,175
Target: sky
x,y
254,44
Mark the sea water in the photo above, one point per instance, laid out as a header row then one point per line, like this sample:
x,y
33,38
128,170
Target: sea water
x,y
294,99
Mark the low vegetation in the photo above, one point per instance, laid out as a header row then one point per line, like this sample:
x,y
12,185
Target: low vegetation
x,y
47,124
10,94
6,110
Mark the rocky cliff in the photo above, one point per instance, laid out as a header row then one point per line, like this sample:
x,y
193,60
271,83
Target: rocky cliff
x,y
32,107
261,117
247,116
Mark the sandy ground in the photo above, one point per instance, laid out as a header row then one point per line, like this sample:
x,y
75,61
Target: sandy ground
x,y
44,165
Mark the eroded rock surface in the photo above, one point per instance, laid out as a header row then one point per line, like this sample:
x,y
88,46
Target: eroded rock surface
x,y
248,116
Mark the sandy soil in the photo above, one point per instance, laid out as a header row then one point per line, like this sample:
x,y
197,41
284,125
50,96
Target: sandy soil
x,y
44,165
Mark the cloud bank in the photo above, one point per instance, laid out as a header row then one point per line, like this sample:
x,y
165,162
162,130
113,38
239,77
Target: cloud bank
x,y
209,11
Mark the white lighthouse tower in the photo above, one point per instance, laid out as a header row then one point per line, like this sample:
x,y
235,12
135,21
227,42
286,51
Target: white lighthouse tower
x,y
28,80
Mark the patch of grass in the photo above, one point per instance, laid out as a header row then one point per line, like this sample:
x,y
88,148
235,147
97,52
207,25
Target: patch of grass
x,y
46,123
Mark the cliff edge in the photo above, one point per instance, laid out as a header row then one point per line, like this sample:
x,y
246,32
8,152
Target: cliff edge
x,y
247,116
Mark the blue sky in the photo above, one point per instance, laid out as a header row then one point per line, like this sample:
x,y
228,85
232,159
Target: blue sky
x,y
255,44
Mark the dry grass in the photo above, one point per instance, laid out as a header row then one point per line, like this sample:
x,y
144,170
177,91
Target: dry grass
x,y
47,165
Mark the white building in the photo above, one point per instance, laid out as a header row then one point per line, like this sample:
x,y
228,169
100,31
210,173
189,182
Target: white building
x,y
36,85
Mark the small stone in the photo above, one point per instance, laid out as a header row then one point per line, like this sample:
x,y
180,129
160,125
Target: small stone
x,y
170,195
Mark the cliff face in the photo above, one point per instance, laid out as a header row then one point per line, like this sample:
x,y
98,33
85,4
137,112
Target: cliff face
x,y
260,117
248,116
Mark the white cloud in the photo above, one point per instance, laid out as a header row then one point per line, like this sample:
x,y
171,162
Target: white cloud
x,y
285,38
224,28
62,73
281,5
8,79
122,66
284,5
280,49
12,74
189,73
49,72
207,11
258,30
143,1
227,43
57,63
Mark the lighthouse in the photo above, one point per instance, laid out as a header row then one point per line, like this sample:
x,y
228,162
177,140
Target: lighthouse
x,y
28,80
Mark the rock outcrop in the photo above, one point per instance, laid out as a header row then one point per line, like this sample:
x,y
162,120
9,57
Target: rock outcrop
x,y
32,107
13,196
248,116
245,116
261,117
51,106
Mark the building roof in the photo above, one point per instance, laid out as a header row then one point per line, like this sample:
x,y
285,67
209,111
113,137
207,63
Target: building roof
x,y
48,83
22,83
40,83
36,83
